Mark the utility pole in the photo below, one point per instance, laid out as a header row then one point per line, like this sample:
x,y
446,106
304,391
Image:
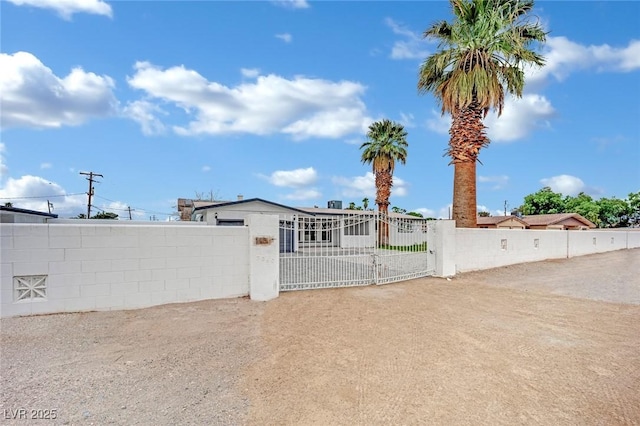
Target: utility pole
x,y
90,193
505,207
49,206
129,208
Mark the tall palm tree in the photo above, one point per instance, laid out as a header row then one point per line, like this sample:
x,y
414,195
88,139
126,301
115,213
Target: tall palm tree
x,y
482,53
386,143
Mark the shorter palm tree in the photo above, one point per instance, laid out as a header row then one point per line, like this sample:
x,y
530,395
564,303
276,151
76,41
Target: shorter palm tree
x,y
386,143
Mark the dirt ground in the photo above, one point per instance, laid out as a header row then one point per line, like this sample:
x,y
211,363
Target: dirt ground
x,y
554,342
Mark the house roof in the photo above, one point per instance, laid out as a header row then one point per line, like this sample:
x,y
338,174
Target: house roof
x,y
553,219
25,211
327,211
212,204
496,220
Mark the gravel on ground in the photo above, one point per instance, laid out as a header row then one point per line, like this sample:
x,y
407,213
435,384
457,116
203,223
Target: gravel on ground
x,y
554,342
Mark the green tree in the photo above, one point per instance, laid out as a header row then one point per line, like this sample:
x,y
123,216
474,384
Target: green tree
x,y
416,214
634,208
105,215
365,203
544,201
352,206
584,205
614,213
482,53
484,214
386,144
398,210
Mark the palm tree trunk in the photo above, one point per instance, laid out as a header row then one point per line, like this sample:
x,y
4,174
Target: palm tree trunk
x,y
467,138
384,182
464,194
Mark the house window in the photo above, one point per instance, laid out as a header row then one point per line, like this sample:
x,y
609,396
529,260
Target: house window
x,y
30,287
356,227
404,226
313,231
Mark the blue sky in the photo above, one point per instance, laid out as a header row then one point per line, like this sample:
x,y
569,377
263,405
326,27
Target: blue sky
x,y
272,99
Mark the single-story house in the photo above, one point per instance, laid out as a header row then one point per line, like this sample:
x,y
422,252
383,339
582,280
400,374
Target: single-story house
x,y
16,215
315,226
501,222
564,221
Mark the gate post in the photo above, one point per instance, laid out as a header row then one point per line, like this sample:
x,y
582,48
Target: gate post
x,y
441,246
264,256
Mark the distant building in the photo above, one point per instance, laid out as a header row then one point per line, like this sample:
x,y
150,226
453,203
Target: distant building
x,y
565,221
501,222
16,215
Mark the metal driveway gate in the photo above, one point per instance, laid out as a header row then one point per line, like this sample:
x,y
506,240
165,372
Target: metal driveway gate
x,y
361,248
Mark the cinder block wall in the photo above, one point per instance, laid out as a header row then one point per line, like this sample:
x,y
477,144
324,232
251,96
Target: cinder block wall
x,y
477,249
105,267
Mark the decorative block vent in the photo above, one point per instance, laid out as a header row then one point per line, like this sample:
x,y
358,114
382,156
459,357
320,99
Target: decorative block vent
x,y
30,287
536,243
503,244
613,240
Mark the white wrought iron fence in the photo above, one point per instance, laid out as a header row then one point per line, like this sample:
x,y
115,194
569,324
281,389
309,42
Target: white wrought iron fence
x,y
357,248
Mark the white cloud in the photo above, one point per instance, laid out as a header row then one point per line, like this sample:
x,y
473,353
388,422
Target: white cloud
x,y
498,182
206,169
564,57
21,193
292,4
293,178
412,47
3,167
144,112
565,184
33,96
304,194
365,186
439,123
301,107
45,166
119,208
425,212
286,37
407,120
520,117
66,8
250,72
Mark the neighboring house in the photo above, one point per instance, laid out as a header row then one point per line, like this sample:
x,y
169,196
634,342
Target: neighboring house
x,y
565,221
314,226
501,222
16,215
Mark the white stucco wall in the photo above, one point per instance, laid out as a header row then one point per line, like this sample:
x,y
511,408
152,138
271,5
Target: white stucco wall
x,y
111,266
489,248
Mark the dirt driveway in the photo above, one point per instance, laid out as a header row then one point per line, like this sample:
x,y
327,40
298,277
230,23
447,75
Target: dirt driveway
x,y
554,342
